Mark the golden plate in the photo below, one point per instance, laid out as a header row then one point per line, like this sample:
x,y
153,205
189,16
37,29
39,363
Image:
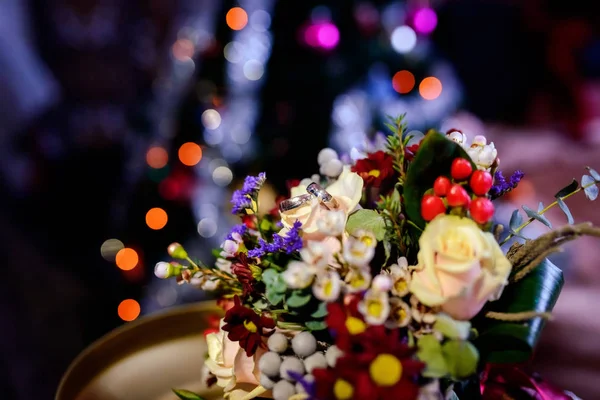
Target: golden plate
x,y
144,359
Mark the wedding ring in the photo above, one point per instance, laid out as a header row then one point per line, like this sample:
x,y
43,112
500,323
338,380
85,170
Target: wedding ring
x,y
294,202
325,198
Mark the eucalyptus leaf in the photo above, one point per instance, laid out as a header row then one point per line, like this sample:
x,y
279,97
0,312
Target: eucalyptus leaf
x,y
591,192
434,158
538,217
369,220
513,342
316,325
187,395
451,328
273,295
269,275
594,174
461,358
430,352
321,310
570,188
563,206
260,304
515,220
298,299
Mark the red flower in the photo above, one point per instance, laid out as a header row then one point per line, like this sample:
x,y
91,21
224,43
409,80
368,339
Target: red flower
x,y
275,210
249,221
411,151
376,169
241,269
247,327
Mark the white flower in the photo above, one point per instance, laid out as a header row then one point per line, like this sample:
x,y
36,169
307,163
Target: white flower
x,y
223,265
298,275
326,155
229,248
332,223
318,253
482,154
359,251
382,283
400,313
458,137
162,270
375,307
327,286
358,279
400,276
209,285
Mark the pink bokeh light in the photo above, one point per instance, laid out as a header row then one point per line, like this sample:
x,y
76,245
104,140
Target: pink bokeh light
x,y
323,35
425,21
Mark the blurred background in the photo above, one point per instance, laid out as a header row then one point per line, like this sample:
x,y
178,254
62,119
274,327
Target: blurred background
x,y
125,125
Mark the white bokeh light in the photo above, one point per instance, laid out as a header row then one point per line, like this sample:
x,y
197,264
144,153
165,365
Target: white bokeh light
x,y
404,39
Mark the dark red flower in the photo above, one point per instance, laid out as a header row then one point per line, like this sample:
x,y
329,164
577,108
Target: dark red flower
x,y
241,269
249,221
411,151
275,210
376,169
247,327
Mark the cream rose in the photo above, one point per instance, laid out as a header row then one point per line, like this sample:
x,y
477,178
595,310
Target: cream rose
x,y
236,373
347,190
459,268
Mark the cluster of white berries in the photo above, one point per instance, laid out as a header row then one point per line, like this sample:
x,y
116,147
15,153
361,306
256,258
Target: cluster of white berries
x,y
330,164
288,359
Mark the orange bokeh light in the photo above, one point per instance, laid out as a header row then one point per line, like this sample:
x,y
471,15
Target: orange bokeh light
x,y
430,88
403,81
157,157
128,310
190,154
156,218
127,259
236,18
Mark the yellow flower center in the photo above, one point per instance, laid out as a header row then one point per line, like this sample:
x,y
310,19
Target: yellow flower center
x,y
375,173
400,285
250,326
357,281
328,288
367,240
374,307
355,325
400,314
342,390
457,244
385,370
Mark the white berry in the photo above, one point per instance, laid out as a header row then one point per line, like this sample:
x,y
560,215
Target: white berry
x,y
308,379
283,390
332,354
270,363
278,342
266,382
304,344
325,155
291,364
317,360
332,168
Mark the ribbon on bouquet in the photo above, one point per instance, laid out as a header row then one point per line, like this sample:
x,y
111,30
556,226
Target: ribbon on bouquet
x,y
498,380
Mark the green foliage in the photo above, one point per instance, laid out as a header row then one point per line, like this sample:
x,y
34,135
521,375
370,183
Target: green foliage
x,y
430,352
187,395
321,311
565,209
315,325
537,215
570,188
451,328
275,286
590,188
461,358
369,220
298,298
513,342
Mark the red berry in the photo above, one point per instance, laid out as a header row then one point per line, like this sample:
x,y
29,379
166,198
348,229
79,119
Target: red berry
x,y
457,196
441,186
482,210
432,206
481,182
461,169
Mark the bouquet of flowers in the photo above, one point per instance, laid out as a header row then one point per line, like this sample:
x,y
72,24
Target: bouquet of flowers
x,y
384,278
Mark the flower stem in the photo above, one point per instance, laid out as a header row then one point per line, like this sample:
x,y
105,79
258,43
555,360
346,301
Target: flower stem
x,y
554,203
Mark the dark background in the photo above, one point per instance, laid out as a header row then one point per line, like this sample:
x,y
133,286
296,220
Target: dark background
x,y
68,186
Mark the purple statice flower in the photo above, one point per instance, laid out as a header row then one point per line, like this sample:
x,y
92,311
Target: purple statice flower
x,y
307,384
237,230
281,244
242,199
502,186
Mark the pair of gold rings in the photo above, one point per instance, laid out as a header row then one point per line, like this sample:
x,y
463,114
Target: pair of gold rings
x,y
314,191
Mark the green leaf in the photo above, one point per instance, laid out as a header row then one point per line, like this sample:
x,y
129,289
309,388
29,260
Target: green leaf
x,y
269,275
594,174
369,220
321,310
513,342
273,295
316,325
570,188
538,217
563,206
591,192
515,220
430,352
298,299
461,358
451,328
434,158
187,395
260,304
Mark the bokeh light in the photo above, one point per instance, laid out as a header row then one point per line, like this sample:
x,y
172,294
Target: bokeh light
x,y
127,259
211,119
156,218
253,70
222,176
157,157
403,81
190,154
207,227
129,310
260,20
183,49
110,248
403,39
430,88
233,52
236,18
324,35
425,20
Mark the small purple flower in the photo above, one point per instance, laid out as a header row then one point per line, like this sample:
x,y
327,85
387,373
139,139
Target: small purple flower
x,y
252,184
242,199
281,244
307,384
501,186
237,230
